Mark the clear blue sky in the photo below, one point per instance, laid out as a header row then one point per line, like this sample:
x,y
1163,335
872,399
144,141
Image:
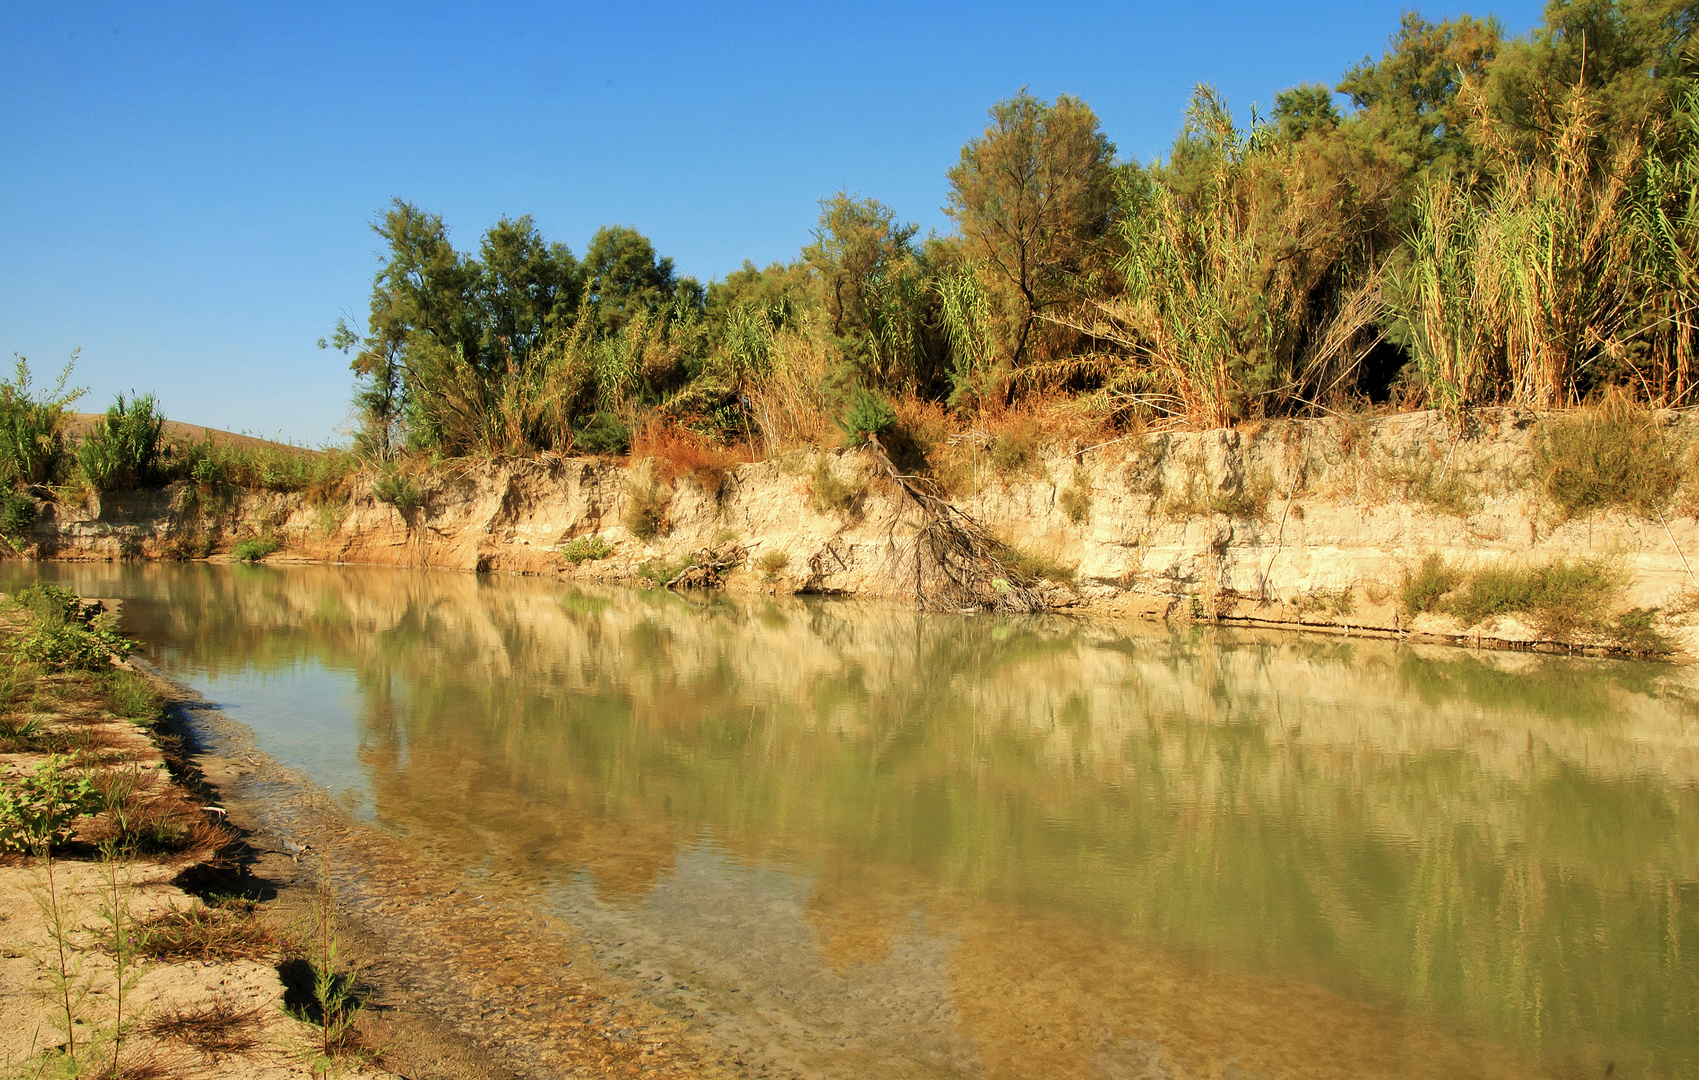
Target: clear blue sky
x,y
186,188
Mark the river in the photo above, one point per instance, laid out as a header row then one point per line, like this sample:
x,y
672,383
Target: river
x,y
852,839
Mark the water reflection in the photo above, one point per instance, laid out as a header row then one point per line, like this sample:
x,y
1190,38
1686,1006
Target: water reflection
x,y
859,838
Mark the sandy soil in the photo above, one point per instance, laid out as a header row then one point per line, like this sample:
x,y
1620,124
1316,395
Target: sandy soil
x,y
262,1039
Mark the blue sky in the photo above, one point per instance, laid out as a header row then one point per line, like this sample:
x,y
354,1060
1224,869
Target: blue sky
x,y
185,188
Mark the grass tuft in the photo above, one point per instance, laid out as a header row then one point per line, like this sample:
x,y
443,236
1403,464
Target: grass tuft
x,y
1608,456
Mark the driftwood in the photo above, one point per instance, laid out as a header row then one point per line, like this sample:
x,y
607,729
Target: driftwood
x,y
708,567
953,562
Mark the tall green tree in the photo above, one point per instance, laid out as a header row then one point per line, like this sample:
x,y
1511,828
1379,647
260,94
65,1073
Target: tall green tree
x,y
1409,103
527,288
1034,198
873,285
624,276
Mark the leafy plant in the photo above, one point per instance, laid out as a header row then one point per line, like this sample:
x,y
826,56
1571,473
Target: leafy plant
x,y
255,548
38,810
866,416
397,488
17,513
123,448
32,429
603,433
60,636
585,549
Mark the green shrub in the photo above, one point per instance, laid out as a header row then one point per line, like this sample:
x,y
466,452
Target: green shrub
x,y
1608,456
322,474
32,430
39,810
772,564
255,548
17,513
123,448
1075,499
131,696
645,512
828,494
1561,597
603,433
60,636
395,487
1030,567
586,549
1426,587
1562,600
866,416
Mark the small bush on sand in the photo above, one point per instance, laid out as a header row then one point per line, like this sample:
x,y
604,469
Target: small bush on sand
x,y
772,564
1426,587
254,549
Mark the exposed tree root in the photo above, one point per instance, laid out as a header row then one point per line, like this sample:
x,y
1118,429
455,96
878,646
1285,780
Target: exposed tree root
x,y
952,562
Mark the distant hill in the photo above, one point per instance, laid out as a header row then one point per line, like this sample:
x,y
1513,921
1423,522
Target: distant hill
x,y
180,432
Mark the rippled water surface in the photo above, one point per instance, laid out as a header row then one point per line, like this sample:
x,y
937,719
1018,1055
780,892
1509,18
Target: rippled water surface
x,y
860,840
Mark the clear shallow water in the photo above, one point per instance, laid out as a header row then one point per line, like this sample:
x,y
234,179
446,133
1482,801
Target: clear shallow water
x,y
857,840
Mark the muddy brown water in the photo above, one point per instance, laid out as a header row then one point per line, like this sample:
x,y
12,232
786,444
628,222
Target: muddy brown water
x,y
817,838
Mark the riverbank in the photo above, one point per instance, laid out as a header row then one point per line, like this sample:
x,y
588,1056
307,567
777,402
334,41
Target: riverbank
x,y
1481,531
216,866
131,943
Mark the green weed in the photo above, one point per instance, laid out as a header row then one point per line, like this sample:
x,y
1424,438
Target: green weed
x,y
39,810
645,511
1075,499
585,549
397,488
255,548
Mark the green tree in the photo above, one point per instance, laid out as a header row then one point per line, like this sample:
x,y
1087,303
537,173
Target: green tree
x,y
873,284
1034,198
527,289
1303,110
1409,101
1630,58
623,277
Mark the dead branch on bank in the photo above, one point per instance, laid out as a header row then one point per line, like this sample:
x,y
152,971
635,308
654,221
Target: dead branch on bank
x,y
708,567
952,563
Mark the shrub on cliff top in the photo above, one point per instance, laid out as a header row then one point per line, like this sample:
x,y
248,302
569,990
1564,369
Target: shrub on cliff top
x,y
1606,456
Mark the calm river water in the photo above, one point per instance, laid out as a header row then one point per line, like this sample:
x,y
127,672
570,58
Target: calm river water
x,y
936,846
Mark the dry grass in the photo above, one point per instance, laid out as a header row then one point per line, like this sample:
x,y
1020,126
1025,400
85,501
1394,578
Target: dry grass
x,y
226,930
678,451
646,500
1608,456
214,1029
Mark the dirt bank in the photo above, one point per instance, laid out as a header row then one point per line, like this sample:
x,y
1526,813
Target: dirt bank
x,y
1321,524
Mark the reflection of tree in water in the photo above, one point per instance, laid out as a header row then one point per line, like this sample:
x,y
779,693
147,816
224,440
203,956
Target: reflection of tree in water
x,y
1506,843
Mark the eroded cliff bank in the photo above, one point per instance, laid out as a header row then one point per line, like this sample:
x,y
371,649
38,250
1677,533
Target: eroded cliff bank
x,y
1407,524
